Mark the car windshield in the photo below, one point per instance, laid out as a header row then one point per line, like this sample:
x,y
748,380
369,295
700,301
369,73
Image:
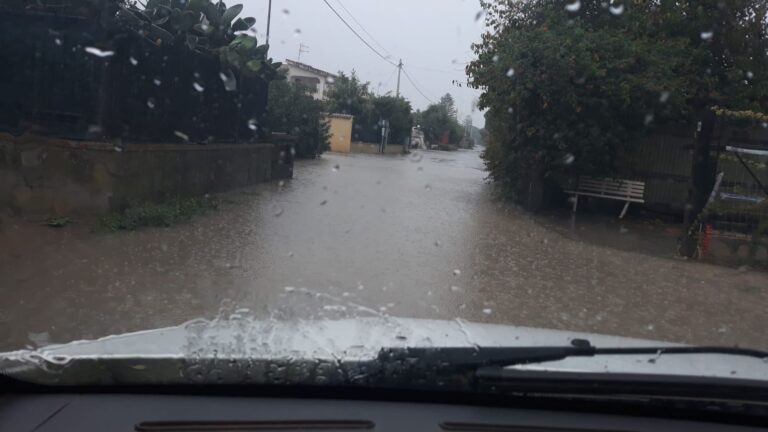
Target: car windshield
x,y
294,179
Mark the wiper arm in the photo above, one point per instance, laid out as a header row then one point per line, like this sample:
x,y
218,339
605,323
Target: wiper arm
x,y
469,357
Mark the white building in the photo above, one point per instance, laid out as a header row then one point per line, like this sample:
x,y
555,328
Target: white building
x,y
317,81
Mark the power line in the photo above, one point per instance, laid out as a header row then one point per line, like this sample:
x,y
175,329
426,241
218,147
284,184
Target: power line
x,y
362,27
408,76
358,35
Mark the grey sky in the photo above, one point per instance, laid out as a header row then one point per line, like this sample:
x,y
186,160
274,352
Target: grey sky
x,y
432,37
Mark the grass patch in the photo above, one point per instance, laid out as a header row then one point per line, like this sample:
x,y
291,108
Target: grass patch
x,y
163,214
57,222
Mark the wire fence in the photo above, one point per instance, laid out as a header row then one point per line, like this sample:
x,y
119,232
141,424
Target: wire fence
x,y
735,226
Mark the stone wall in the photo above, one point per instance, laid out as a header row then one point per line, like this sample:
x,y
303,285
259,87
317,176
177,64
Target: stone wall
x,y
42,175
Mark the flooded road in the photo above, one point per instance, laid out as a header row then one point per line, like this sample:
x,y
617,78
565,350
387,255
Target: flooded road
x,y
360,235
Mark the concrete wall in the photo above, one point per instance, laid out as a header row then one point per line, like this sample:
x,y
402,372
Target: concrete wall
x,y
41,175
372,148
340,129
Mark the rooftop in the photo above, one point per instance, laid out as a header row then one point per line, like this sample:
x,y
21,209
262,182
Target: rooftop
x,y
309,68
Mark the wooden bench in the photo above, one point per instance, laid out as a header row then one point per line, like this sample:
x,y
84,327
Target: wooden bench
x,y
615,189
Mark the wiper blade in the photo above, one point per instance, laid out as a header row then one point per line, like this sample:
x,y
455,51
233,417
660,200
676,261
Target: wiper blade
x,y
476,357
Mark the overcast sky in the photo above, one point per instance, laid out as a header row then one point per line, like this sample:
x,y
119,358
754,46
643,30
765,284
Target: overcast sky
x,y
433,38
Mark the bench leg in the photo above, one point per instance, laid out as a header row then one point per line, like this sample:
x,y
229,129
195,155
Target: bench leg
x,y
575,202
624,210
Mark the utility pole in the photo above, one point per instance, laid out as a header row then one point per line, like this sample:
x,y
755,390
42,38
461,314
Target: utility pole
x,y
399,69
302,50
269,19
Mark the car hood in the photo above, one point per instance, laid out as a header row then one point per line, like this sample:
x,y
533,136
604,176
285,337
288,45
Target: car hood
x,y
240,350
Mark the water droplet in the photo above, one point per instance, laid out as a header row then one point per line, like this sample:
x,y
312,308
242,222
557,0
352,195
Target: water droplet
x,y
286,12
157,81
706,35
510,110
197,86
323,202
253,124
479,15
229,80
437,243
750,75
289,289
616,9
57,41
360,287
330,79
573,6
651,327
98,52
454,288
336,168
181,135
427,186
456,272
415,156
118,149
664,97
278,212
151,102
568,159
510,72
495,58
487,311
648,119
420,168
297,33
133,61
290,254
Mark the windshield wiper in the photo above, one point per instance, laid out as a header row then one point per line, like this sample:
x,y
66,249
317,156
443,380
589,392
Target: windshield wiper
x,y
476,357
484,369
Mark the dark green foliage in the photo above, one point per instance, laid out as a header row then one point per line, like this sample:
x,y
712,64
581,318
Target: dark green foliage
x,y
205,26
163,214
290,109
581,86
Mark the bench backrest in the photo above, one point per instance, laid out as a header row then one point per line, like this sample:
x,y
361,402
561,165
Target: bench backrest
x,y
612,187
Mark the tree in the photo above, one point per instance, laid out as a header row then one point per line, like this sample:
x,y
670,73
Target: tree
x,y
468,138
349,95
290,109
398,112
580,86
450,105
438,125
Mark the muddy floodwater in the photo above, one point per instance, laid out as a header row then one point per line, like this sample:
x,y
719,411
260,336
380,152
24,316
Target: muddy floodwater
x,y
417,236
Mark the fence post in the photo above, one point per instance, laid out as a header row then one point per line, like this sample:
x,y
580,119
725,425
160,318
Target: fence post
x,y
701,182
